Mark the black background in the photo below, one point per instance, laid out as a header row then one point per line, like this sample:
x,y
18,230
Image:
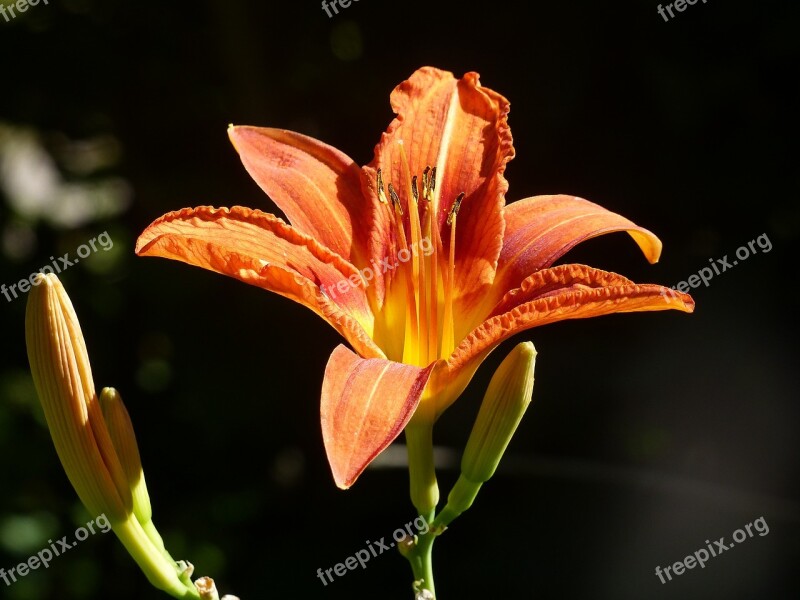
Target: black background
x,y
648,433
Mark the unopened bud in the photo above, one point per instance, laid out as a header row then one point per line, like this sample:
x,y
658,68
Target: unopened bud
x,y
63,378
506,400
123,437
99,456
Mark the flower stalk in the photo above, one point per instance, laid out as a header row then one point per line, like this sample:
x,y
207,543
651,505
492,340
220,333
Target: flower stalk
x,y
504,404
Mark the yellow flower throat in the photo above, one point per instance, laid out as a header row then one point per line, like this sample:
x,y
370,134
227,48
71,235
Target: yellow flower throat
x,y
418,317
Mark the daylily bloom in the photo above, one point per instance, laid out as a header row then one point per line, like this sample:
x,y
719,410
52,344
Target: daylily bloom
x,y
414,259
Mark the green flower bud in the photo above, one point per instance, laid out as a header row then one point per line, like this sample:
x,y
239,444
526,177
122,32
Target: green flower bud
x,y
506,400
120,429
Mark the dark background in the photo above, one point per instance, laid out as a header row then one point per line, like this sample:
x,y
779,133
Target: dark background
x,y
648,433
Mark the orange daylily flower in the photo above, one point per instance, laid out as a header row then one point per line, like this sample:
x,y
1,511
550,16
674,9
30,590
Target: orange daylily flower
x,y
414,259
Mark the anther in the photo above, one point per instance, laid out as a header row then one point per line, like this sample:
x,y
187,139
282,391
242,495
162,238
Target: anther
x,y
395,199
381,193
426,183
454,210
414,191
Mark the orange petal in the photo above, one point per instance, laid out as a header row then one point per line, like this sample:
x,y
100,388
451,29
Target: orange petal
x,y
557,280
461,128
555,294
541,229
315,185
366,403
262,250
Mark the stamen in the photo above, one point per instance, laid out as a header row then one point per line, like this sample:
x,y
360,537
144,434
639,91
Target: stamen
x,y
448,326
430,287
411,338
434,197
454,210
426,184
395,200
381,193
429,279
437,271
411,341
417,269
448,334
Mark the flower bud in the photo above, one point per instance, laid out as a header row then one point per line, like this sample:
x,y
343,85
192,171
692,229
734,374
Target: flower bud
x,y
99,453
505,402
120,429
63,379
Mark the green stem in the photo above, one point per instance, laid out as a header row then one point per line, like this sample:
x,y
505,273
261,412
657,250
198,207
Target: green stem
x,y
421,470
421,559
425,497
160,571
420,554
459,499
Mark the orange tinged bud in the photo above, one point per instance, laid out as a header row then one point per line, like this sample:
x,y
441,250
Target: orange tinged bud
x,y
63,378
98,451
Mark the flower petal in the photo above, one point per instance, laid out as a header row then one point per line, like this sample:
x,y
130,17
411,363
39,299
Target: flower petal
x,y
541,229
550,295
365,405
461,128
262,250
315,185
